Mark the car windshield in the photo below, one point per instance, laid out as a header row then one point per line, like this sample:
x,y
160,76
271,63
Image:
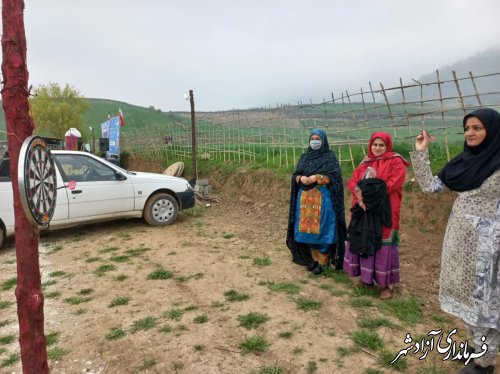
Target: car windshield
x,y
83,168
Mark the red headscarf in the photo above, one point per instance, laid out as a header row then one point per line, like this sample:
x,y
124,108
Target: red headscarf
x,y
388,168
378,161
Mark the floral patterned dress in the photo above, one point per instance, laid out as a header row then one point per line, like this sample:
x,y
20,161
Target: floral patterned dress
x,y
469,286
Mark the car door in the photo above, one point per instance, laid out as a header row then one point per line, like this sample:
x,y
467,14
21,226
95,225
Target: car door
x,y
98,191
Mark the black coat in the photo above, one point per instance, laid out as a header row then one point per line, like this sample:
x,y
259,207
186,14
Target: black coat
x,y
365,229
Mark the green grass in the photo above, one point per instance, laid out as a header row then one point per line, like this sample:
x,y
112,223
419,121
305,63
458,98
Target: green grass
x,y
262,261
11,360
123,258
199,347
360,303
312,367
52,294
254,344
92,259
336,275
165,329
228,236
146,364
75,300
285,334
52,338
190,307
432,370
8,284
144,324
7,339
173,314
373,323
233,295
346,351
307,304
115,333
367,339
58,273
200,319
137,251
400,365
108,250
408,311
48,283
5,304
85,291
252,320
270,370
160,274
56,353
80,311
120,277
286,287
103,269
56,248
119,300
373,371
4,322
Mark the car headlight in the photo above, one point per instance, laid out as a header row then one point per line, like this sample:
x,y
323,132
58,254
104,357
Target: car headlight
x,y
189,188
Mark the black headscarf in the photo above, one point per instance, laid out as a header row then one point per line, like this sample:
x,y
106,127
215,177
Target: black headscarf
x,y
474,165
321,161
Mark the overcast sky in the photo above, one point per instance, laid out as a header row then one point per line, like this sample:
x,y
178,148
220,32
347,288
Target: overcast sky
x,y
247,54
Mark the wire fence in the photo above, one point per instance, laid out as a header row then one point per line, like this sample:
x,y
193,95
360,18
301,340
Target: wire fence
x,y
277,136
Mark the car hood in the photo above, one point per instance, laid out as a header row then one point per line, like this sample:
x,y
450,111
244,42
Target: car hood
x,y
140,176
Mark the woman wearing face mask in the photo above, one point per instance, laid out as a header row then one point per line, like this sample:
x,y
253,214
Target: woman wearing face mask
x,y
316,223
381,263
469,284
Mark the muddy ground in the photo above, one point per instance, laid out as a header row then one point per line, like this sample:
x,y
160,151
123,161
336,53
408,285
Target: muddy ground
x,y
105,315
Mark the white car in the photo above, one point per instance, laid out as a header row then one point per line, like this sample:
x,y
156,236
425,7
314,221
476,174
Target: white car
x,y
103,191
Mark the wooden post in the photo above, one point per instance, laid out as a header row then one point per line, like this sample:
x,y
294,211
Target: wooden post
x,y
193,136
475,89
442,117
19,126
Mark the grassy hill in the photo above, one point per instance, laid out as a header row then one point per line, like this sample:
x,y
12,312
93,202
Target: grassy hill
x,y
136,117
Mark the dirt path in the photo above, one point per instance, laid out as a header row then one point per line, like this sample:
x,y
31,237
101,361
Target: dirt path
x,y
186,322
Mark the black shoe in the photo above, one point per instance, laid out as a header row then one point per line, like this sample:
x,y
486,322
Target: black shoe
x,y
317,270
312,265
476,369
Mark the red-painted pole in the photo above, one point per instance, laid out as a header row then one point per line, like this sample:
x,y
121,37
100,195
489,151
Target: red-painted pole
x,y
19,126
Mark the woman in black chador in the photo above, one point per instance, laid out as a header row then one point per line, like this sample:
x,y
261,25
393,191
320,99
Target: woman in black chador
x,y
316,222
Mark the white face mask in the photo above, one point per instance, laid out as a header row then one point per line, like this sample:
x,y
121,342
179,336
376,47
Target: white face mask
x,y
315,144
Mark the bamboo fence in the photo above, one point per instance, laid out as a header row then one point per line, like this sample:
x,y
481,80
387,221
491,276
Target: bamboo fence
x,y
278,135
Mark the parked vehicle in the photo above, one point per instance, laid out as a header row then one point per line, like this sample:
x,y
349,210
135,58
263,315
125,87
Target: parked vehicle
x,y
104,191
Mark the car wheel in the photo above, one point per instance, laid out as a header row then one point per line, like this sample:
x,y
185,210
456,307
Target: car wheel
x,y
1,236
161,209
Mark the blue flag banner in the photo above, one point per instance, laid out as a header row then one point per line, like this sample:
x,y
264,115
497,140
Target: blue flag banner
x,y
111,130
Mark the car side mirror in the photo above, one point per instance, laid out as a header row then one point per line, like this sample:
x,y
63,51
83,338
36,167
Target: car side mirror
x,y
119,176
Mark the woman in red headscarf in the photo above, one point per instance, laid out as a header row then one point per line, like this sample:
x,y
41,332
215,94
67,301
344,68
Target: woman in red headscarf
x,y
383,164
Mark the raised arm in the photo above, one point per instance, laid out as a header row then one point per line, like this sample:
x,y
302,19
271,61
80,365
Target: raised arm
x,y
422,166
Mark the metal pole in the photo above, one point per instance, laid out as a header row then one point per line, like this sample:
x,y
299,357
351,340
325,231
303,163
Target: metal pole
x,y
193,137
93,140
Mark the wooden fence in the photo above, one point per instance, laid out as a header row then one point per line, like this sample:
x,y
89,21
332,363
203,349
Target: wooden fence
x,y
277,136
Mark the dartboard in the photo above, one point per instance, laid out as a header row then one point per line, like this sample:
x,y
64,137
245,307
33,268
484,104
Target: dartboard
x,y
37,181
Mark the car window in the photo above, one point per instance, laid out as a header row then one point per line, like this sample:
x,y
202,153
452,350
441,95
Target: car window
x,y
82,168
4,170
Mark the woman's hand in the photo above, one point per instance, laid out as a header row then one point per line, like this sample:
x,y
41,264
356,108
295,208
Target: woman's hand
x,y
423,140
358,194
304,180
362,205
312,179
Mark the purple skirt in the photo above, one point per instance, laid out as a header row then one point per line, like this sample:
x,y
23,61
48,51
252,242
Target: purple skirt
x,y
383,267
